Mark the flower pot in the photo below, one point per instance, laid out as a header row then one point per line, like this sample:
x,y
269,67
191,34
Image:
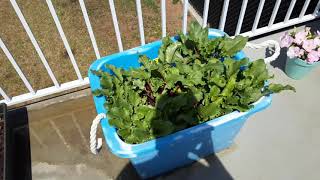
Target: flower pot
x,y
297,68
163,154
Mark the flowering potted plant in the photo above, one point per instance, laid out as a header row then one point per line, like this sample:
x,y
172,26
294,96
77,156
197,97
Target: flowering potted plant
x,y
303,52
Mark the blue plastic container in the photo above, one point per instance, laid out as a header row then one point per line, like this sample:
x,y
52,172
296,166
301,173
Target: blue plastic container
x,y
161,155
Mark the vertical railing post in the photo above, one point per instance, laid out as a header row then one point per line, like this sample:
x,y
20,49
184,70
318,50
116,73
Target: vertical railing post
x,y
116,24
316,10
89,28
258,15
34,42
140,21
185,16
274,13
242,12
291,6
16,67
64,39
4,95
224,15
163,18
205,13
304,8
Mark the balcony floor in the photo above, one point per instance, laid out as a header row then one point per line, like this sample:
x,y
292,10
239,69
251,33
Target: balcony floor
x,y
280,142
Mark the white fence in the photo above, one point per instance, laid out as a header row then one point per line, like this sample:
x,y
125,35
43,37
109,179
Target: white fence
x,y
82,81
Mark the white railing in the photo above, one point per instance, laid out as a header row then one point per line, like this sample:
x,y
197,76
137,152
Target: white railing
x,y
84,81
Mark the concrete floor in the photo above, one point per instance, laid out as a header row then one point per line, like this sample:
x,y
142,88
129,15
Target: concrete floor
x,y
280,143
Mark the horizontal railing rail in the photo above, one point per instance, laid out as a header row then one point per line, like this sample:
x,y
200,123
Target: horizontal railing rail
x,y
83,81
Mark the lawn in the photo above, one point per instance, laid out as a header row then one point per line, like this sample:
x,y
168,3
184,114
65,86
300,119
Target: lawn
x,y
42,25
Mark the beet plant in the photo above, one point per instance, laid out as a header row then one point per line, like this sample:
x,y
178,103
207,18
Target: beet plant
x,y
193,80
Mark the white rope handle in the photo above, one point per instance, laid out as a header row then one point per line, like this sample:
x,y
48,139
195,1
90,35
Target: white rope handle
x,y
94,146
266,44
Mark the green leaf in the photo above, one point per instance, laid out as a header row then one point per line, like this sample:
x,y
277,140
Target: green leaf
x,y
170,51
124,133
233,66
257,71
196,78
218,80
116,122
209,111
227,91
156,83
117,71
137,83
172,76
183,68
106,82
250,95
166,41
243,83
145,61
134,98
97,92
139,134
188,117
143,110
232,46
162,128
140,74
197,93
97,73
214,91
276,88
233,100
239,108
197,33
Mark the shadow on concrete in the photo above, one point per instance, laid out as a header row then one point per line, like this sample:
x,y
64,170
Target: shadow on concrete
x,y
18,155
207,168
280,62
177,111
315,25
128,173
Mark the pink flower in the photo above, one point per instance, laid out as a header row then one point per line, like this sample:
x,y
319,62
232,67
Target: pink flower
x,y
316,41
300,37
301,52
319,51
313,56
308,45
286,40
293,52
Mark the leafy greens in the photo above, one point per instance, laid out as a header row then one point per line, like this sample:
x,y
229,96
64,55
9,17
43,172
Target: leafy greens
x,y
193,80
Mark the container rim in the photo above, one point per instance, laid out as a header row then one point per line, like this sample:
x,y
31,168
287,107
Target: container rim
x,y
304,63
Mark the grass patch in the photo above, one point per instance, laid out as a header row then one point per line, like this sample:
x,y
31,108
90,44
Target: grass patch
x,y
42,25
